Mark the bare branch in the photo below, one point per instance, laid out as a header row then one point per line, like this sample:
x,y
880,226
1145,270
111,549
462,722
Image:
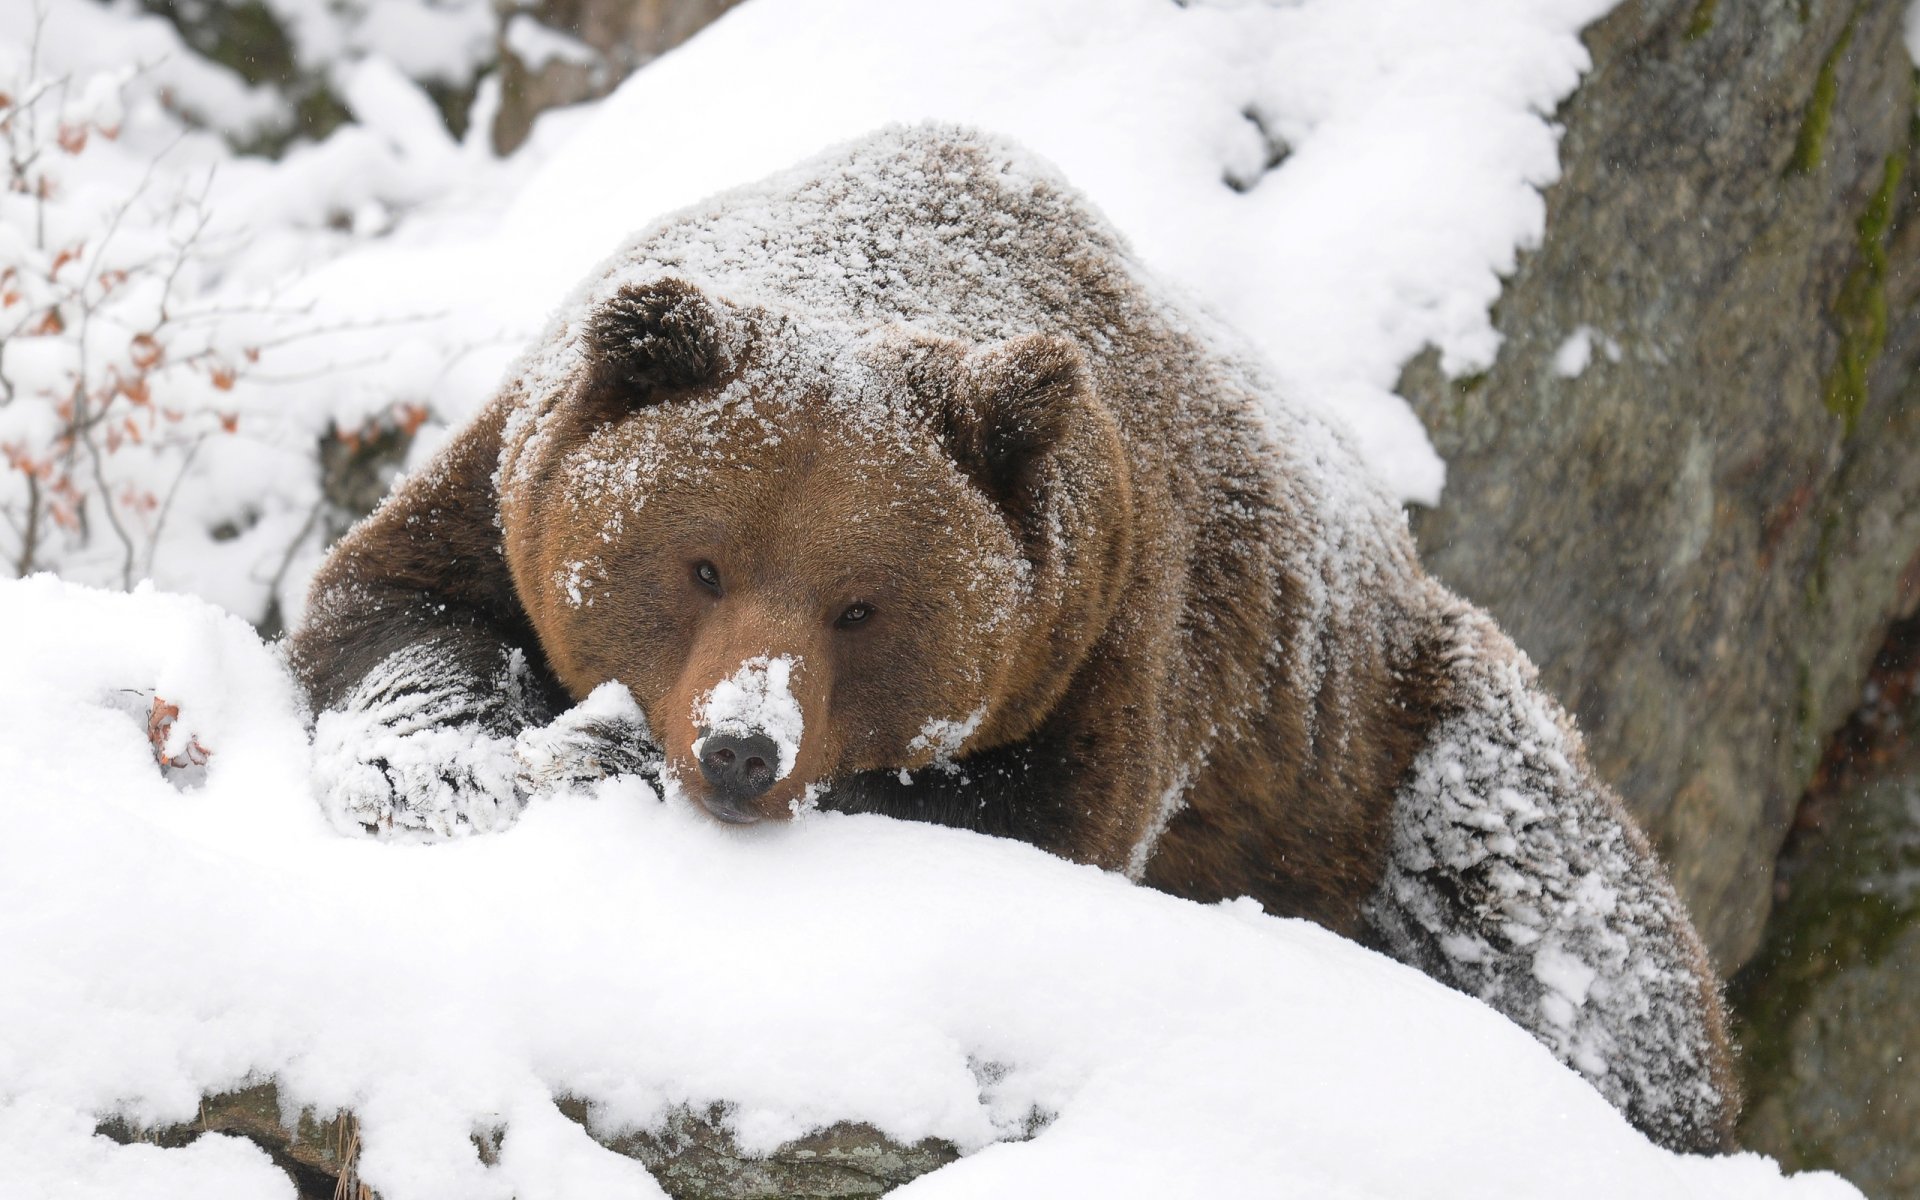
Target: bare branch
x,y
293,548
166,506
30,535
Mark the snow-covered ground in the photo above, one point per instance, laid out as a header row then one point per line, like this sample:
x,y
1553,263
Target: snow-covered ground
x,y
163,943
1343,178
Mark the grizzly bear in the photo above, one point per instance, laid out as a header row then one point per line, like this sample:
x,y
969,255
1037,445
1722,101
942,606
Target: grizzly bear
x,y
895,484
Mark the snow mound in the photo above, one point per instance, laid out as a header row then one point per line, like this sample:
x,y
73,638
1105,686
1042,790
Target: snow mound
x,y
162,943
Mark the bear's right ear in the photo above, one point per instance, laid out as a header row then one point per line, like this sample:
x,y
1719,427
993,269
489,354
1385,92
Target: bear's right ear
x,y
649,341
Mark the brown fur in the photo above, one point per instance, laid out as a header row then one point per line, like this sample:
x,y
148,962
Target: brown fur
x,y
1094,549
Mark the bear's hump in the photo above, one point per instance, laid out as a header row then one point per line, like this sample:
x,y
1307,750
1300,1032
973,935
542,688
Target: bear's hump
x,y
948,228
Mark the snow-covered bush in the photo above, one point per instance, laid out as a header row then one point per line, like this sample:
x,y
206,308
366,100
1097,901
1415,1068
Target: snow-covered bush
x,y
145,268
115,369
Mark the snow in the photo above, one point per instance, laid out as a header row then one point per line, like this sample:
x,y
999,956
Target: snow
x,y
623,950
536,45
756,699
386,101
1172,800
83,1167
85,40
947,737
446,41
1571,358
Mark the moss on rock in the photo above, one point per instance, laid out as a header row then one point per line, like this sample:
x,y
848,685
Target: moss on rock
x,y
1861,308
1811,145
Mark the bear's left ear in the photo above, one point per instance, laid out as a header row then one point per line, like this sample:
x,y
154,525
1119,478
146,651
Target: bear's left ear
x,y
649,341
1028,428
1017,401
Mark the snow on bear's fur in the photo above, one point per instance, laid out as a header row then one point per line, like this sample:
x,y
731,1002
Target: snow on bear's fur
x,y
911,420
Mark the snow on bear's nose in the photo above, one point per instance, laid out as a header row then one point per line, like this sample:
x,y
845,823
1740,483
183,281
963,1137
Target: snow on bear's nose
x,y
755,704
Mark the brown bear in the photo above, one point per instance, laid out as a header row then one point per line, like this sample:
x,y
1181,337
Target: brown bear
x,y
895,484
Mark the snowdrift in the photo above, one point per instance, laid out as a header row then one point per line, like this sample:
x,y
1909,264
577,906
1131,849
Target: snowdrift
x,y
167,939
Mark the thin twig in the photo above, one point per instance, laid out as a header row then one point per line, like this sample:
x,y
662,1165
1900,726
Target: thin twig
x,y
166,506
113,515
30,536
293,548
33,124
187,244
120,212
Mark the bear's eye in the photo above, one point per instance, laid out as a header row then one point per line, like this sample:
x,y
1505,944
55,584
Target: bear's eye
x,y
854,614
707,574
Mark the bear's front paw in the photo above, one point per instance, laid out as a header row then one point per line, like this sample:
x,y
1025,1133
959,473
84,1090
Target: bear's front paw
x,y
424,784
603,736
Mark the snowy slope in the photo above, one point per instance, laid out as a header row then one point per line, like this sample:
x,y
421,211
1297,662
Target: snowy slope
x,y
1414,133
160,944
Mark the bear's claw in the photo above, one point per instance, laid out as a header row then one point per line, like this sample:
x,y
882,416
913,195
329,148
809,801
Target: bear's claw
x,y
425,785
602,737
389,772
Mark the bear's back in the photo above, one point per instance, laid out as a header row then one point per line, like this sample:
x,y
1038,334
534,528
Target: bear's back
x,y
951,230
957,233
971,236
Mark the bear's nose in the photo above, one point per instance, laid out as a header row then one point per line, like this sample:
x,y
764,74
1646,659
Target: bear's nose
x,y
738,767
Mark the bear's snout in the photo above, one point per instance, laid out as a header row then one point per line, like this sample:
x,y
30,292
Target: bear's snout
x,y
738,767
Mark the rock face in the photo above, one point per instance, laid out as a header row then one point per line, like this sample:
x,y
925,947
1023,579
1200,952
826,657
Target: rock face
x,y
693,1159
1689,486
1828,1011
317,1155
600,43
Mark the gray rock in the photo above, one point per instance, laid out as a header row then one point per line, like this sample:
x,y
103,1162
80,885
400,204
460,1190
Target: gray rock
x,y
1702,537
314,1152
694,1159
623,36
1829,1015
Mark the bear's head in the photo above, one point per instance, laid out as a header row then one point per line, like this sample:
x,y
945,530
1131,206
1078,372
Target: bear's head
x,y
811,551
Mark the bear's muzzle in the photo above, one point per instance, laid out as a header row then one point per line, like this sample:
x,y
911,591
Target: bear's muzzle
x,y
739,768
